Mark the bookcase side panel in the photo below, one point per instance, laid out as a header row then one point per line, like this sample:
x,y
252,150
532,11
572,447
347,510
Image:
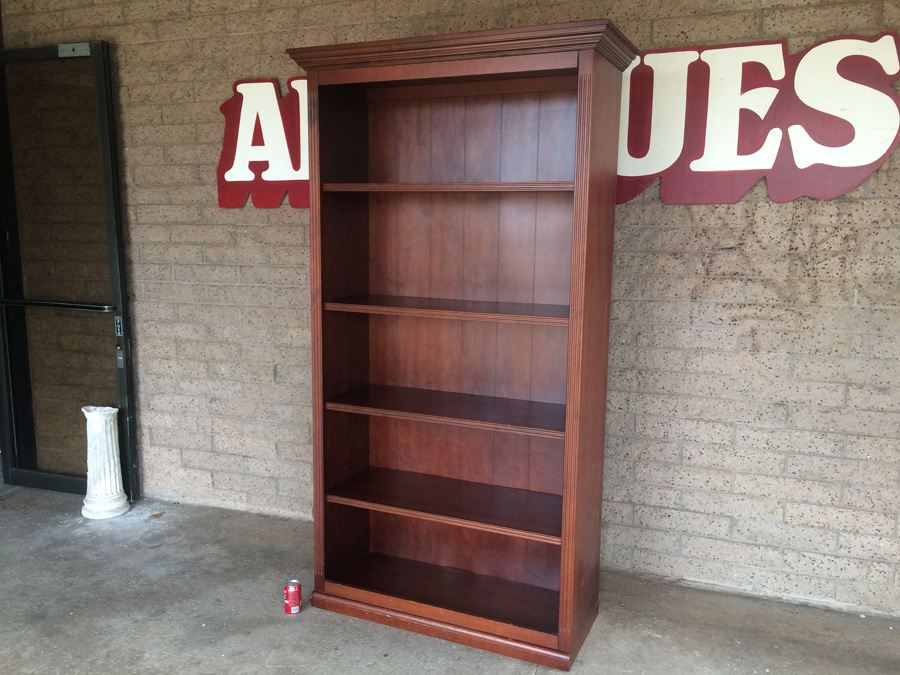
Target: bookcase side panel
x,y
316,305
598,108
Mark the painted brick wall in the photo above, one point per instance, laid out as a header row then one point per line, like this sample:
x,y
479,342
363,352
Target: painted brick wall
x,y
755,373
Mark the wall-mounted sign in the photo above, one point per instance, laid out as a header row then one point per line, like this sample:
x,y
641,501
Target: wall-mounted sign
x,y
709,122
712,122
265,154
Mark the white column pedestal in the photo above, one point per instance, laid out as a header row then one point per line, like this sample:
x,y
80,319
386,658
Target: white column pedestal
x,y
105,496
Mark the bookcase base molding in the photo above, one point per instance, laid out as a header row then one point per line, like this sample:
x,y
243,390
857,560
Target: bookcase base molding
x,y
420,623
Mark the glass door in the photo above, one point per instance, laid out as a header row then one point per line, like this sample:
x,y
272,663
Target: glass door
x,y
63,313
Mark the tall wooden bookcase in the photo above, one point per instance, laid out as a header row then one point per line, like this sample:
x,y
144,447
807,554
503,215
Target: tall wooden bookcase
x,y
461,227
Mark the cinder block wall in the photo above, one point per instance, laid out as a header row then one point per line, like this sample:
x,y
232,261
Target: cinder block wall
x,y
754,409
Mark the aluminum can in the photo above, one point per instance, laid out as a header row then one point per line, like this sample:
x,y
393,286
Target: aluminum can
x,y
293,597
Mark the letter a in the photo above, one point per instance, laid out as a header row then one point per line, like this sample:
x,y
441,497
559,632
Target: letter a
x,y
260,104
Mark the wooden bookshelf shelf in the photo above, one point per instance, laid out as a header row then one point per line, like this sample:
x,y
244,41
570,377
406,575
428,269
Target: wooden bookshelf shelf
x,y
462,196
533,418
491,508
465,310
536,186
530,607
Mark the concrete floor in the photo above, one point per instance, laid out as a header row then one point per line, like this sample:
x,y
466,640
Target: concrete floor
x,y
170,588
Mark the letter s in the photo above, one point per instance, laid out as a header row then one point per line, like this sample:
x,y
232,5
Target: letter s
x,y
872,114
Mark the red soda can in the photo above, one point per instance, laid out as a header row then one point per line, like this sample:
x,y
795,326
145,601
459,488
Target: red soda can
x,y
293,597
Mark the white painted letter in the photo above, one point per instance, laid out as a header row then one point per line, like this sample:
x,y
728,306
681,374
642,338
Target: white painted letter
x,y
260,102
667,113
872,114
726,68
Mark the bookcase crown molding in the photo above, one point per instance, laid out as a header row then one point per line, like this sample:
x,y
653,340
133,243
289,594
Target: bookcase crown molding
x,y
598,34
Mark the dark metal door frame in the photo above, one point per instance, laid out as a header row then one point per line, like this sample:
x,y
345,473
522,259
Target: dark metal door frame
x,y
18,449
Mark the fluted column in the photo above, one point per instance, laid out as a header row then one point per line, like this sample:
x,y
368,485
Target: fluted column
x,y
105,496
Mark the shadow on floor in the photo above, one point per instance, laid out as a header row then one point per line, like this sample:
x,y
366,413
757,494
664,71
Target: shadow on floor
x,y
170,588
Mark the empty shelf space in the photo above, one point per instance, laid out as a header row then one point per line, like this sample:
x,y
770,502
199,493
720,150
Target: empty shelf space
x,y
533,418
493,598
439,308
533,186
510,511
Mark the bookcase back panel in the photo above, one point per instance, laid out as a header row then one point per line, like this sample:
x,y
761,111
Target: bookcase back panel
x,y
523,136
472,357
495,458
495,555
508,247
